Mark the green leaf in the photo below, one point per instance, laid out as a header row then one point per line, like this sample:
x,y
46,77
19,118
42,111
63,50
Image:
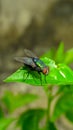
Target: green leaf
x,y
30,119
64,104
15,101
51,126
5,122
42,129
50,54
59,56
58,74
69,115
1,113
65,89
69,57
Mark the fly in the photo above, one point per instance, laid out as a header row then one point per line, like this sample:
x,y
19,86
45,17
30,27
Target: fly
x,y
33,62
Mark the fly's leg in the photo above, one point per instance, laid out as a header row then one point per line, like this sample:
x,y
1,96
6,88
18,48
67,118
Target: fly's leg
x,y
40,77
26,76
45,79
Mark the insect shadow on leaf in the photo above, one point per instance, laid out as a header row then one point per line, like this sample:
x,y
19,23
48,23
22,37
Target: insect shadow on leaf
x,y
36,76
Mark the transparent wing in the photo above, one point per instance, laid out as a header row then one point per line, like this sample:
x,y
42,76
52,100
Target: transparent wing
x,y
29,53
26,61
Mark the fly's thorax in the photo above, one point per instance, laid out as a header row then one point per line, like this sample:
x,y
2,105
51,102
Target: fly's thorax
x,y
39,62
35,59
41,65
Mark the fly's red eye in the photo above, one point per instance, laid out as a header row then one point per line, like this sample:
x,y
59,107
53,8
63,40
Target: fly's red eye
x,y
45,71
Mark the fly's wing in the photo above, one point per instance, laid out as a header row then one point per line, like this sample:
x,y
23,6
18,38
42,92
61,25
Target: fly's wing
x,y
26,61
28,53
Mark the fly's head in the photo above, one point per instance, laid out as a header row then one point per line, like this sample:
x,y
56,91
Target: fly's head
x,y
45,70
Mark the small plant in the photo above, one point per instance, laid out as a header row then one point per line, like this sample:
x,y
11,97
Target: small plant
x,y
60,76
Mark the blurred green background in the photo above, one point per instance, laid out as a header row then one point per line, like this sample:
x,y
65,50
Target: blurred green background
x,y
37,25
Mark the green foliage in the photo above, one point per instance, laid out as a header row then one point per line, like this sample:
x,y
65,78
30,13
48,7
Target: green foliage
x,y
1,113
69,115
5,122
59,55
69,57
64,103
12,101
65,89
30,120
60,74
49,54
51,126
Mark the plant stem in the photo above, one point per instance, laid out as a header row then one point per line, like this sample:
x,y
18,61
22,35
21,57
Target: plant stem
x,y
49,98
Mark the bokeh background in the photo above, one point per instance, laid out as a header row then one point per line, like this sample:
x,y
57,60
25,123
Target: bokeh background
x,y
37,25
